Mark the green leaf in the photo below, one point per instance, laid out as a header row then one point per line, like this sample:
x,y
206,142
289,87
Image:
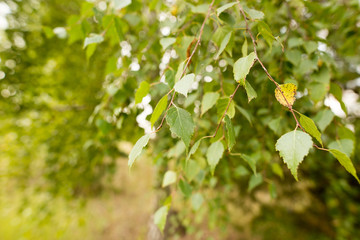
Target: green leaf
x,y
202,8
276,125
250,91
227,19
142,91
255,180
104,126
280,42
293,56
167,201
230,133
49,33
98,15
180,71
170,78
265,31
132,19
119,4
241,171
245,113
177,150
185,188
166,42
293,147
181,124
118,27
249,160
208,101
244,48
343,145
220,34
169,178
196,201
160,217
322,76
76,33
159,109
306,66
254,14
86,8
272,190
295,42
310,127
242,67
214,154
317,91
138,147
336,90
193,149
224,7
345,133
90,50
310,46
323,119
221,105
184,85
93,38
345,161
191,99
230,45
223,44
192,169
276,169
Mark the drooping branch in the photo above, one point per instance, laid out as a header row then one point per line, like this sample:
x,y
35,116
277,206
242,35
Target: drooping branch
x,y
268,74
263,66
187,64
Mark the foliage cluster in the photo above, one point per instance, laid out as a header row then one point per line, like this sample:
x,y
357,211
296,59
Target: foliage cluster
x,y
203,82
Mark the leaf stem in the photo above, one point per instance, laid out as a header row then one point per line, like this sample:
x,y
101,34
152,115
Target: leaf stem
x,y
227,108
320,148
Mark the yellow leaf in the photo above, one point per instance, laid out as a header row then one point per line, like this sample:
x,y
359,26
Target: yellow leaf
x,y
289,91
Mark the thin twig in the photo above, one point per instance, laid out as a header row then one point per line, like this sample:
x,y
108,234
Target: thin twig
x,y
161,76
187,63
270,77
199,39
107,28
263,66
186,25
320,148
227,108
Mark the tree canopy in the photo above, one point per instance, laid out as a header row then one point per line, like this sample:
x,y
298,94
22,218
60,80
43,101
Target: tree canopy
x,y
250,103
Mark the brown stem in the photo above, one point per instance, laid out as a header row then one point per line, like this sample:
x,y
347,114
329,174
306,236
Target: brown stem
x,y
198,39
161,76
270,77
227,108
263,66
320,148
187,63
